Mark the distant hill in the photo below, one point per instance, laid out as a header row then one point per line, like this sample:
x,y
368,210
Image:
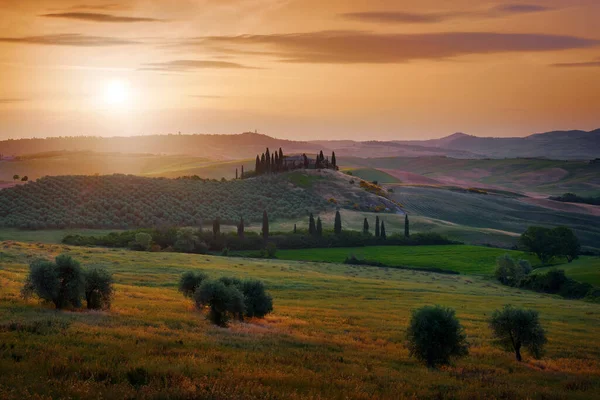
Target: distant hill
x,y
561,145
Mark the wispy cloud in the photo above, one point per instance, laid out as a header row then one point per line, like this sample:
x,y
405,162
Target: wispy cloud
x,y
200,96
12,100
389,17
348,47
98,17
69,39
593,63
191,65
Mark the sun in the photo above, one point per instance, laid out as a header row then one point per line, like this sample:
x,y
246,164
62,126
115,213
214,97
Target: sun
x,y
117,93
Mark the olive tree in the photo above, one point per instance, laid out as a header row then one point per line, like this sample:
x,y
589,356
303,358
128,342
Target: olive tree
x,y
61,282
510,272
257,301
98,289
515,328
189,282
435,336
223,301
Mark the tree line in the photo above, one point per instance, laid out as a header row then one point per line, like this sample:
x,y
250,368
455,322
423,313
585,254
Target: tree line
x,y
274,162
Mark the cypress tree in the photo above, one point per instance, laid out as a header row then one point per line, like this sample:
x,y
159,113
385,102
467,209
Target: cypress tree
x,y
217,227
265,226
236,173
406,226
337,226
311,225
281,157
366,227
377,226
241,228
242,177
268,161
276,164
333,160
383,234
294,228
257,167
319,227
263,164
273,166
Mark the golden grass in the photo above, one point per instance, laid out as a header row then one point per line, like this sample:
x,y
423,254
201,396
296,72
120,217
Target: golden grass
x,y
336,332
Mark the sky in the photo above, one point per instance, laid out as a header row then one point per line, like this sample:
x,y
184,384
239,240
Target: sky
x,y
298,69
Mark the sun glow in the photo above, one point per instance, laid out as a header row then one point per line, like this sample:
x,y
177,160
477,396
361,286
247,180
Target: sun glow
x,y
117,94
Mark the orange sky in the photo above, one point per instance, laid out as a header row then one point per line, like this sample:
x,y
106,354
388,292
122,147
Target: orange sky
x,y
301,69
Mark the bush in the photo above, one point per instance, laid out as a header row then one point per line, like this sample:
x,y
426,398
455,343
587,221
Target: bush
x,y
271,250
509,272
435,336
98,289
224,301
60,282
515,328
143,241
189,282
258,302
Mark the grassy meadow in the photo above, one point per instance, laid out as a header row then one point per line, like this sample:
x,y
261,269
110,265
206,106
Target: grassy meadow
x,y
336,332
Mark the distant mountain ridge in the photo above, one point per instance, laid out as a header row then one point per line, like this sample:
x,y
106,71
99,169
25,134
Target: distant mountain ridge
x,y
562,145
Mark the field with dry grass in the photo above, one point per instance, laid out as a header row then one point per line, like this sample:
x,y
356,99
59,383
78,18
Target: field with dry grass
x,y
336,332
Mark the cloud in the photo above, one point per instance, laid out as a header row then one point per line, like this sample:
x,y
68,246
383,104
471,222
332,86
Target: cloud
x,y
98,17
11,100
69,39
593,63
348,47
199,96
190,65
435,17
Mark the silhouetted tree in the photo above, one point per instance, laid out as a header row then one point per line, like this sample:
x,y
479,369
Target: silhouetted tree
x,y
263,163
319,227
240,228
268,160
366,227
273,166
276,161
382,233
294,228
217,227
517,327
406,226
337,225
25,178
242,172
236,173
305,158
16,177
257,167
333,160
377,232
281,157
265,226
567,243
312,229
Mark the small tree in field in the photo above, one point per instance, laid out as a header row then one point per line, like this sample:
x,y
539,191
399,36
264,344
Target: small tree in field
x,y
98,289
406,226
61,282
189,282
319,231
16,177
510,272
435,336
515,328
143,241
312,228
377,232
224,301
258,302
365,227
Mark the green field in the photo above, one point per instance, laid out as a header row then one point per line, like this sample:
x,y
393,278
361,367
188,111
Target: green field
x,y
585,269
464,259
500,213
336,332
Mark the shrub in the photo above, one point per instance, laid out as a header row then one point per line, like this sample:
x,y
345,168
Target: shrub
x,y
98,289
515,328
509,272
271,250
60,282
224,301
257,301
189,282
186,240
143,241
435,336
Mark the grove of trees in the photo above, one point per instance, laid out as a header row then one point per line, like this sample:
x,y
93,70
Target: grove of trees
x,y
550,243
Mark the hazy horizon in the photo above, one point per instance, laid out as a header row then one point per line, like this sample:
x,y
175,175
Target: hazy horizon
x,y
302,70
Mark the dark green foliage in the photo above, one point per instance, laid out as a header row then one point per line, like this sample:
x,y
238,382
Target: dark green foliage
x,y
377,229
312,228
187,241
337,225
435,336
143,241
510,272
61,282
265,226
573,198
353,260
130,202
258,302
138,377
333,160
271,250
319,231
406,226
515,328
16,177
224,301
98,289
548,243
366,227
382,234
295,229
240,228
189,282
